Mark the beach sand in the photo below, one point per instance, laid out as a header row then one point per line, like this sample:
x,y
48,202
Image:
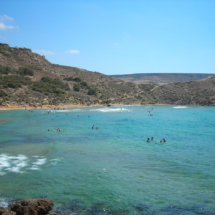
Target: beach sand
x,y
27,107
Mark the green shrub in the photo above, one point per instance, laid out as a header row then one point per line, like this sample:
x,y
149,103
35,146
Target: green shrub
x,y
77,79
14,81
91,92
2,93
25,71
49,85
76,87
5,70
84,84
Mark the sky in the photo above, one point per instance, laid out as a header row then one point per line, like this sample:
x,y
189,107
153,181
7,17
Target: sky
x,y
115,37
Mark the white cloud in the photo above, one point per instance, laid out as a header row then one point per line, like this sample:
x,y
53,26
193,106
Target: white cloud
x,y
73,51
43,52
5,27
3,19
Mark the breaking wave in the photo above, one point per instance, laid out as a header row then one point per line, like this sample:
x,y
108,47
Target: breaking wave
x,y
112,110
21,163
180,107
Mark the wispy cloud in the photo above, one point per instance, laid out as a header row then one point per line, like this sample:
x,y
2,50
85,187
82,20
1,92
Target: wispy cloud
x,y
43,52
73,51
3,19
5,27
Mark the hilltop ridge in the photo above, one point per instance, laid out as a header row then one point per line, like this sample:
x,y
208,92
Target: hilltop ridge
x,y
163,78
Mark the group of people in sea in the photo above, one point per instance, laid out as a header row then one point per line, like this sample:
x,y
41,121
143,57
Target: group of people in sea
x,y
59,130
152,139
95,127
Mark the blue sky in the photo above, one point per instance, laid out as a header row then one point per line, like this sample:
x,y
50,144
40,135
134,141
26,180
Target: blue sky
x,y
115,36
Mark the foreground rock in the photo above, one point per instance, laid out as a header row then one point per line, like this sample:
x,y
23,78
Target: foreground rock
x,y
5,211
32,206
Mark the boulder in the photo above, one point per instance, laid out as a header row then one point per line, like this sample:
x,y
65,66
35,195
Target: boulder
x,y
5,211
32,206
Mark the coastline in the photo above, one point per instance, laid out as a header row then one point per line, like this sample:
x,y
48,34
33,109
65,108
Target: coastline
x,y
26,107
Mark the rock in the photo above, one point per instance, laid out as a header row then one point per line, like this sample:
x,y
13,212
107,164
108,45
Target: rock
x,y
5,211
32,206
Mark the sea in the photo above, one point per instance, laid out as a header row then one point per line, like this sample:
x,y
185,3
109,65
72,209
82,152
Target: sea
x,y
97,160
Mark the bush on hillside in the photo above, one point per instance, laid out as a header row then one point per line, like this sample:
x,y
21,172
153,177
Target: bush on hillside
x,y
5,70
49,85
2,93
84,84
25,71
77,79
14,81
91,92
76,87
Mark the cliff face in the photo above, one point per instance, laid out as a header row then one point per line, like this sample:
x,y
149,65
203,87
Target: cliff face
x,y
28,77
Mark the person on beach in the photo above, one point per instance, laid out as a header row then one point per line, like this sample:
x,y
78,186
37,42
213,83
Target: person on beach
x,y
148,139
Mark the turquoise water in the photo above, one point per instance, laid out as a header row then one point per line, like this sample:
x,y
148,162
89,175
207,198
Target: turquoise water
x,y
112,169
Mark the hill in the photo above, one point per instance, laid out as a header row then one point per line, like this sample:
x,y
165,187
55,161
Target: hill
x,y
74,85
27,77
163,77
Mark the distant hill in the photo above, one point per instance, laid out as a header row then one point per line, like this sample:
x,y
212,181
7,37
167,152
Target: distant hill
x,y
27,77
163,77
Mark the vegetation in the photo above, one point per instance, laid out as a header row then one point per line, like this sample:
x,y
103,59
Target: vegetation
x,y
91,92
5,70
77,79
76,87
2,93
25,71
14,81
48,85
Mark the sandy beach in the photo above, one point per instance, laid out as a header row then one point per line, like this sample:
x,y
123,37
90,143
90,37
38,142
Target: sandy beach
x,y
27,107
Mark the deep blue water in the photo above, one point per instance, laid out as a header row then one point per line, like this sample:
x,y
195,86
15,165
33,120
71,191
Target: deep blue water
x,y
112,169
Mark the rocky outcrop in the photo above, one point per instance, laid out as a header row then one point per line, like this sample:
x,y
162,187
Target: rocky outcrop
x,y
5,211
32,206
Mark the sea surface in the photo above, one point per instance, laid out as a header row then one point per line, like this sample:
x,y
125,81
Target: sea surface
x,y
97,160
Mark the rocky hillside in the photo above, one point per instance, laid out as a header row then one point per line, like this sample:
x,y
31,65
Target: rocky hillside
x,y
163,77
82,86
27,77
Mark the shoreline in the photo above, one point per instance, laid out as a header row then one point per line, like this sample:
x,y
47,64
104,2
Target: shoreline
x,y
27,107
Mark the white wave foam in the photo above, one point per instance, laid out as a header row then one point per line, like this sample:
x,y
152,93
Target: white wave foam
x,y
21,163
3,203
180,107
34,168
111,109
66,111
40,161
12,163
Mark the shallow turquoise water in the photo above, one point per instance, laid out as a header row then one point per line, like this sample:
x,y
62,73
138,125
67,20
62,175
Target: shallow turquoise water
x,y
112,169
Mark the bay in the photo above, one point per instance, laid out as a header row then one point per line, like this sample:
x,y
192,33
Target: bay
x,y
112,169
